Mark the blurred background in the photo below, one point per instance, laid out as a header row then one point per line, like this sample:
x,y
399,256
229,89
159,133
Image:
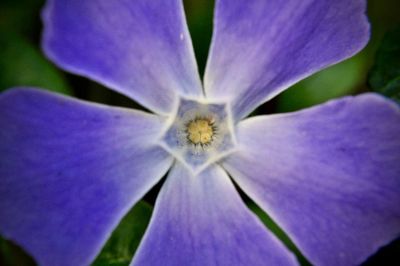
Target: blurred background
x,y
376,68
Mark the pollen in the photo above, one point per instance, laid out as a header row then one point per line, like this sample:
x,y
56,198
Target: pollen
x,y
200,131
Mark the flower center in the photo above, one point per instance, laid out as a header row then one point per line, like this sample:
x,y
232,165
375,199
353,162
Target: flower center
x,y
200,131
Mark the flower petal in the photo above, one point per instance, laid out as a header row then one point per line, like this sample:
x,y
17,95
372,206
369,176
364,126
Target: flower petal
x,y
69,172
139,48
260,48
329,175
201,220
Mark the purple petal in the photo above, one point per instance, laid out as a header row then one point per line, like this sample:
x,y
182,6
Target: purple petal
x,y
329,175
201,220
140,48
260,48
69,172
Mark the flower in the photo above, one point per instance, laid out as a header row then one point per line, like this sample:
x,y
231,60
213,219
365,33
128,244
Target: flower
x,y
70,170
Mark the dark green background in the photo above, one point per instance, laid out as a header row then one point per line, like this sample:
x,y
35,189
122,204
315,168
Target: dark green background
x,y
23,64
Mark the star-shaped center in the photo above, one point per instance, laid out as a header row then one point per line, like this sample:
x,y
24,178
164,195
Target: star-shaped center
x,y
200,133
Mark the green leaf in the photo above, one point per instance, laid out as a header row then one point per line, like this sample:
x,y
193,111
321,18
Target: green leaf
x,y
199,15
125,239
384,77
22,64
279,233
22,16
336,81
11,254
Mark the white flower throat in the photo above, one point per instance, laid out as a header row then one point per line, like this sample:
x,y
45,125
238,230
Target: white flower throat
x,y
199,133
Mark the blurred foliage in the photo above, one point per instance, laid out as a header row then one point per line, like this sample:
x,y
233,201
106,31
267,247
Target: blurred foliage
x,y
336,81
386,256
22,63
21,16
28,66
348,77
385,75
199,16
13,255
123,242
279,233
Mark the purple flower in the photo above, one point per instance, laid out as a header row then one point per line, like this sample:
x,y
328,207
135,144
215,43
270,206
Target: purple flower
x,y
70,170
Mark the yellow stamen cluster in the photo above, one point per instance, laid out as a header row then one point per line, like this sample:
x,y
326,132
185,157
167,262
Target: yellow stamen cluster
x,y
200,131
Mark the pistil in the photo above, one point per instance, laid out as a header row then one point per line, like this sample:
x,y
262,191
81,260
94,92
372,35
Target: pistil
x,y
200,131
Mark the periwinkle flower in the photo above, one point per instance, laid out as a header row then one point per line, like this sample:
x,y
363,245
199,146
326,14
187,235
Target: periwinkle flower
x,y
70,170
